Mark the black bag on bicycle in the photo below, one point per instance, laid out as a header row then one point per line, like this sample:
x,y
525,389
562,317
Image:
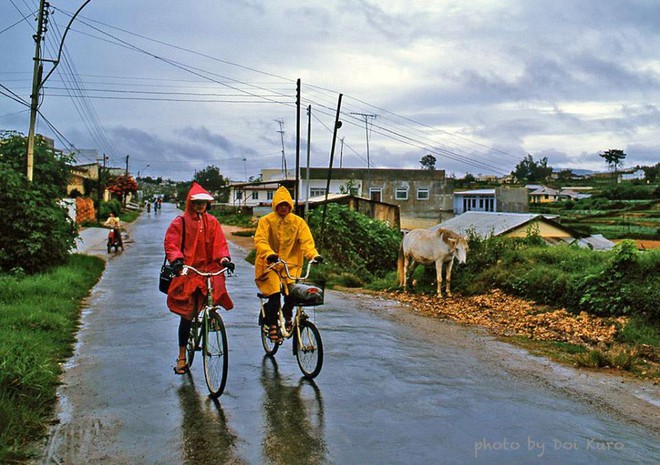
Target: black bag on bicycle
x,y
167,273
307,295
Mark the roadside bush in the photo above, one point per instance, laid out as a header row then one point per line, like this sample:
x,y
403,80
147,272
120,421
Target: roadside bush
x,y
621,282
112,205
360,245
37,232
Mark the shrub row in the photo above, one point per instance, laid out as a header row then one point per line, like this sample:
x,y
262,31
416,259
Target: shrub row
x,y
623,281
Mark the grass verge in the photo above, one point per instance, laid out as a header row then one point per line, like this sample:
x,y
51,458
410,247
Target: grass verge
x,y
39,316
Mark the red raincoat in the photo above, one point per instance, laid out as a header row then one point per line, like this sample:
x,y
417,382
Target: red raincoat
x,y
204,249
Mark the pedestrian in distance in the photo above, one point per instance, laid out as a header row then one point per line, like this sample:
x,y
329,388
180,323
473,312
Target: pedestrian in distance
x,y
281,234
195,239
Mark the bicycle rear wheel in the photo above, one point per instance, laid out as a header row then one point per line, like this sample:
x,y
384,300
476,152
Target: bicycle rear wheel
x,y
216,355
193,340
309,350
269,346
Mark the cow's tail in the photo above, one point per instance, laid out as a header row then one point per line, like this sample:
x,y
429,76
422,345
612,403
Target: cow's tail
x,y
399,265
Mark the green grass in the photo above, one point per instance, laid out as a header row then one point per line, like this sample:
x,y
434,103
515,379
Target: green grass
x,y
39,316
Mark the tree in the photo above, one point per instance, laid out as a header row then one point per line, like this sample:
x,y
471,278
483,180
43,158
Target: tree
x,y
532,171
428,162
37,232
651,173
122,186
212,180
351,187
614,158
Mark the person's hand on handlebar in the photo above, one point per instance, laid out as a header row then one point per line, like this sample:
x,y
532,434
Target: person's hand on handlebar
x,y
272,258
228,264
177,266
318,259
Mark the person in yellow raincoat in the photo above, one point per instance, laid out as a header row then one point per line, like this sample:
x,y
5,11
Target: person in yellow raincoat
x,y
281,234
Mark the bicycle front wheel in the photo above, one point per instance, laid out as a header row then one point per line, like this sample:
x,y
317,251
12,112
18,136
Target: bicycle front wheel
x,y
193,339
216,355
309,350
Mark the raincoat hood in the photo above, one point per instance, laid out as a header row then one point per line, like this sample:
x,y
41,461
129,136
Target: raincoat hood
x,y
282,195
196,188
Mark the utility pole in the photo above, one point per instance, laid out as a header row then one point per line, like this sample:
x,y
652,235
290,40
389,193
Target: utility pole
x,y
36,84
100,188
281,131
309,139
366,117
127,165
297,175
37,73
341,152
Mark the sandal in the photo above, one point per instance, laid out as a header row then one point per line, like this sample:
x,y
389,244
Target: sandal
x,y
182,370
272,334
288,325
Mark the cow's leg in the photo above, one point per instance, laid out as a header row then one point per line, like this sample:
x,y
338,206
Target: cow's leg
x,y
404,273
410,270
438,273
450,264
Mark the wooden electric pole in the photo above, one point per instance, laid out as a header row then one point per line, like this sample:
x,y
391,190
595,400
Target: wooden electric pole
x,y
36,84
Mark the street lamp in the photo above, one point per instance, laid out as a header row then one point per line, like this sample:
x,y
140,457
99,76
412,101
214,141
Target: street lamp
x,y
142,170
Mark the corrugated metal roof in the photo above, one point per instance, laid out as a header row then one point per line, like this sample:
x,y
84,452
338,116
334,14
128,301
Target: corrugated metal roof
x,y
477,192
486,223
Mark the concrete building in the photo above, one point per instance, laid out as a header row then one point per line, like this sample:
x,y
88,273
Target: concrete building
x,y
423,196
499,199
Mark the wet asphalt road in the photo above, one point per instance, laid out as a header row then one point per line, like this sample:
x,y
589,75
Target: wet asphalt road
x,y
388,392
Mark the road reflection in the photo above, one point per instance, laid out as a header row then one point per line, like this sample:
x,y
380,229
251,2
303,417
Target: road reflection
x,y
206,435
294,420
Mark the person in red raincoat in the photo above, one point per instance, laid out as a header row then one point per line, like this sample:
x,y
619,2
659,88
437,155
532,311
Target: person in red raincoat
x,y
206,249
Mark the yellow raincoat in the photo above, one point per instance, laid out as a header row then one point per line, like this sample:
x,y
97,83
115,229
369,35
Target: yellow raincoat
x,y
287,237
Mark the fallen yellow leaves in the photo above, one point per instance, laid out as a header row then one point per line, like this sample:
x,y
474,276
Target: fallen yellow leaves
x,y
508,315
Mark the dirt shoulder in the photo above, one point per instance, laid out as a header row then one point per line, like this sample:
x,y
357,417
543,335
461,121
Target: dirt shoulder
x,y
244,242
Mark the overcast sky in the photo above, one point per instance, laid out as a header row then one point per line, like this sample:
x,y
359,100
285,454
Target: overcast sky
x,y
180,85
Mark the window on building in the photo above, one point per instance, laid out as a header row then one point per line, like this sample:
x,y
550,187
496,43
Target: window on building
x,y
269,195
255,195
375,193
423,193
239,195
316,191
401,193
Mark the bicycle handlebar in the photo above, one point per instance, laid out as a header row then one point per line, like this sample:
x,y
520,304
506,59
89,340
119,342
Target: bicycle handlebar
x,y
205,273
286,269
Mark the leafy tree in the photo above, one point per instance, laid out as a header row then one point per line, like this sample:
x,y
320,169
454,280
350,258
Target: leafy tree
x,y
51,170
37,232
212,180
651,173
614,158
122,186
532,171
351,187
565,175
428,162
